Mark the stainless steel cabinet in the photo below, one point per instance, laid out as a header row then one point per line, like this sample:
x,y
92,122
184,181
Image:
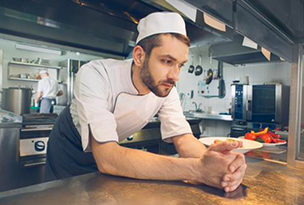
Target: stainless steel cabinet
x,y
284,12
253,24
9,155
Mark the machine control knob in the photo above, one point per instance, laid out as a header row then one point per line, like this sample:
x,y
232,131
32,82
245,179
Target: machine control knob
x,y
130,138
39,146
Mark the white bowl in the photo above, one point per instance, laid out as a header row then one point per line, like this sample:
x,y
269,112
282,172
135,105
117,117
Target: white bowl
x,y
247,144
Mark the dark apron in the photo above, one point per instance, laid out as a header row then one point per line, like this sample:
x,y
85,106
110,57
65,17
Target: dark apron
x,y
65,156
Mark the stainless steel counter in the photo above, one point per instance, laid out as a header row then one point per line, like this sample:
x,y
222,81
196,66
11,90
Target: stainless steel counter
x,y
206,116
215,117
9,119
265,183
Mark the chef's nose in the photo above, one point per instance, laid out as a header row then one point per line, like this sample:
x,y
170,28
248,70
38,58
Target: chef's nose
x,y
174,73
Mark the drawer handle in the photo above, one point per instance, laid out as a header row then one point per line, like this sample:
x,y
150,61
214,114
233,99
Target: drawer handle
x,y
34,164
40,129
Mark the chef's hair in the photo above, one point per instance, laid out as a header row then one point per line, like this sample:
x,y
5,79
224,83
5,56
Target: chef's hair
x,y
154,41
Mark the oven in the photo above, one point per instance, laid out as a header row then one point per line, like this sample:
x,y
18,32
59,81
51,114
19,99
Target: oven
x,y
264,103
34,136
149,138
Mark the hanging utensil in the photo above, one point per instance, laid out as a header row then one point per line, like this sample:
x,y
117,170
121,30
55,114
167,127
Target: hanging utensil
x,y
191,67
209,76
199,68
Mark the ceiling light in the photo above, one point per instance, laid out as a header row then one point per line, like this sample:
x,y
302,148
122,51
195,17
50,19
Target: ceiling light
x,y
38,49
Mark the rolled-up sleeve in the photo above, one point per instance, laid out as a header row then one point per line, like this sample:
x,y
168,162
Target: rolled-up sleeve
x,y
173,121
92,92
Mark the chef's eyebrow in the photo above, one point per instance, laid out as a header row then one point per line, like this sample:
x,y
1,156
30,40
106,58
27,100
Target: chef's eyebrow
x,y
172,58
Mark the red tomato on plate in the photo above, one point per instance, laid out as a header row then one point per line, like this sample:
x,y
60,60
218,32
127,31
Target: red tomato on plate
x,y
250,136
267,138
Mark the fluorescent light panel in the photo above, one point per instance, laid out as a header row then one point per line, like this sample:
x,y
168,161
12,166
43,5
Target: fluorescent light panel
x,y
38,49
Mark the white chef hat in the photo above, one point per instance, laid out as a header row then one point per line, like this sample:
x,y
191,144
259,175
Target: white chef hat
x,y
161,22
43,72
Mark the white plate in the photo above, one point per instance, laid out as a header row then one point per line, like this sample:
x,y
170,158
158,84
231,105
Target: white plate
x,y
247,144
267,144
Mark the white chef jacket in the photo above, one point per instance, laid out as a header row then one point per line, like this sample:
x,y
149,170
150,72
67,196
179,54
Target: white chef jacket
x,y
49,87
107,103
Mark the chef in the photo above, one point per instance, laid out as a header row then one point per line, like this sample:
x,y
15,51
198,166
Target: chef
x,y
47,92
116,98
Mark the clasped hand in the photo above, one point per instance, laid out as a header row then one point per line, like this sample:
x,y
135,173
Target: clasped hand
x,y
222,168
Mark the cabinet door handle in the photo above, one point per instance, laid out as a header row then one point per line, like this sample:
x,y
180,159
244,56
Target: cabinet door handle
x,y
238,129
34,129
34,164
249,105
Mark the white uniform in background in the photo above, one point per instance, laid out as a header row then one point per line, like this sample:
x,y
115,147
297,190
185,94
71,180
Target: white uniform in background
x,y
49,88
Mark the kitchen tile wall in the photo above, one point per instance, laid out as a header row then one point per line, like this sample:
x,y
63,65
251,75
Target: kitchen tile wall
x,y
258,73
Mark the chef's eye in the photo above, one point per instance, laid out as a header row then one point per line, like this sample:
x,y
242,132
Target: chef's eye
x,y
167,62
181,65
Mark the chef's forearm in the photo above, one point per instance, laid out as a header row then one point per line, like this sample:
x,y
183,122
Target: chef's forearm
x,y
59,93
188,146
113,159
38,96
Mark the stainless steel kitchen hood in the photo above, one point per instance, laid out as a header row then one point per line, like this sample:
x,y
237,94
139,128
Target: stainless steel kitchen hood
x,y
275,25
235,54
98,25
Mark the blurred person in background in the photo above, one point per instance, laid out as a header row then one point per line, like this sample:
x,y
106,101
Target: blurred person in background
x,y
47,92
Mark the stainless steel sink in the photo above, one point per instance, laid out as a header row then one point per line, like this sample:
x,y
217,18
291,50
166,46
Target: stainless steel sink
x,y
193,114
188,117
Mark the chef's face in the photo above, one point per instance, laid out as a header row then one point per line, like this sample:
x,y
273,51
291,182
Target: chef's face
x,y
161,69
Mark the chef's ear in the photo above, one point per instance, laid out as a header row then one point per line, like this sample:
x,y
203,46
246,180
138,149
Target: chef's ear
x,y
138,55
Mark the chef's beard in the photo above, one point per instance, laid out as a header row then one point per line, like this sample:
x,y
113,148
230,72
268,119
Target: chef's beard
x,y
149,81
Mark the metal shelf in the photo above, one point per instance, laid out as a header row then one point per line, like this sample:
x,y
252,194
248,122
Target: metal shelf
x,y
24,79
35,65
